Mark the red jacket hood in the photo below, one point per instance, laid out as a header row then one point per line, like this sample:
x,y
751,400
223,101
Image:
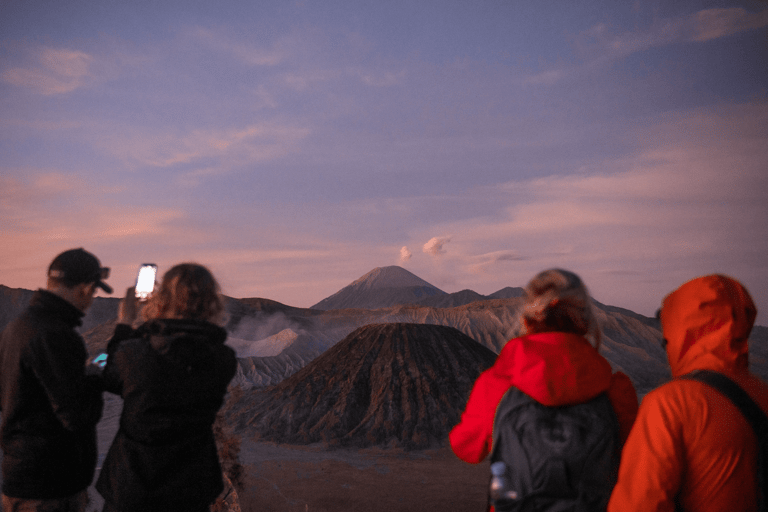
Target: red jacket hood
x,y
554,368
706,323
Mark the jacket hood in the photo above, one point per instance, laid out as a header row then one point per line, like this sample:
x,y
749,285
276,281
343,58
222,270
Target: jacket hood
x,y
164,333
554,368
706,323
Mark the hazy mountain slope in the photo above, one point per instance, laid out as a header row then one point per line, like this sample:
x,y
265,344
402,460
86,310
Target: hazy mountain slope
x,y
12,303
632,344
270,370
385,384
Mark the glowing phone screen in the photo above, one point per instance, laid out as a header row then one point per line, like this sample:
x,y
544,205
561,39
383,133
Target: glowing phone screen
x,y
145,282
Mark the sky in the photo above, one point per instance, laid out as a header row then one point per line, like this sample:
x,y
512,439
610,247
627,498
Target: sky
x,y
293,146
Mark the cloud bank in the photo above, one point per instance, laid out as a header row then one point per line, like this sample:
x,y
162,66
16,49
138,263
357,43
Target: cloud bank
x,y
295,147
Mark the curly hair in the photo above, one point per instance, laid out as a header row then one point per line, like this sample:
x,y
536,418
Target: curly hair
x,y
188,290
557,301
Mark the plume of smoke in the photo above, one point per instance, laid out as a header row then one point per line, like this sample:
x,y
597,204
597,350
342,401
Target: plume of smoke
x,y
435,246
405,254
253,334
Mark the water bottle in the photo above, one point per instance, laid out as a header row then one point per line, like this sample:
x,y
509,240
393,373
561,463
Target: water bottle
x,y
502,496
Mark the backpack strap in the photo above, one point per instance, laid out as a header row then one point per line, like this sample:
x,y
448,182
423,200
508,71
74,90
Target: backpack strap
x,y
512,399
738,396
751,411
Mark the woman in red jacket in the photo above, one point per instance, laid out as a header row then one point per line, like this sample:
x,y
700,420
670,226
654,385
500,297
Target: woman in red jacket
x,y
556,362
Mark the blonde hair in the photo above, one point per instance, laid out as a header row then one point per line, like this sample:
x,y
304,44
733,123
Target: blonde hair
x,y
188,291
557,301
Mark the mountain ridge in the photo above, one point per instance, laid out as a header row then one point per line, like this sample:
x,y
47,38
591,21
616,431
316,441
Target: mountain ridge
x,y
631,342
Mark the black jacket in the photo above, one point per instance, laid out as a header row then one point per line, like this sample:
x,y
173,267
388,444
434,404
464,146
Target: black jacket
x,y
49,407
172,375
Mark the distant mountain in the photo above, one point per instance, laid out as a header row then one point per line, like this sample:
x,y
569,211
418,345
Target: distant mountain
x,y
507,293
386,384
451,300
384,287
464,297
380,288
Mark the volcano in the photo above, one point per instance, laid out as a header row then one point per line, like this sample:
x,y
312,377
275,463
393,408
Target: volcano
x,y
380,288
395,385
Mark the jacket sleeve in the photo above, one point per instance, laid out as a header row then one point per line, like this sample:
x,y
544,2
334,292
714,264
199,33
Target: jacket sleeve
x,y
624,400
58,363
472,439
652,459
110,377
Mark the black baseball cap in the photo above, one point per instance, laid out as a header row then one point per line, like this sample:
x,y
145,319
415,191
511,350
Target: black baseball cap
x,y
79,266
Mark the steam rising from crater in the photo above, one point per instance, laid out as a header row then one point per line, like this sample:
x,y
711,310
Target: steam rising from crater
x,y
405,254
435,246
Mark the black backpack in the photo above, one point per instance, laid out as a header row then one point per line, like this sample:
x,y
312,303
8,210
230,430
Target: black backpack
x,y
753,414
558,458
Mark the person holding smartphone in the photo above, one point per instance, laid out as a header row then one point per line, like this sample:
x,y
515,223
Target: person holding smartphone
x,y
50,405
172,372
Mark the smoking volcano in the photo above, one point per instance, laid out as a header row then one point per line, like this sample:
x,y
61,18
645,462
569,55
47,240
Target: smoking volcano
x,y
384,384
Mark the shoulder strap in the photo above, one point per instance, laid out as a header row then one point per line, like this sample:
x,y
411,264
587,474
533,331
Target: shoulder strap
x,y
511,400
751,412
738,396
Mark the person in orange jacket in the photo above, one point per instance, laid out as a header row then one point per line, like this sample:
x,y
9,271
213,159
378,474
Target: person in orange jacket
x,y
691,449
556,363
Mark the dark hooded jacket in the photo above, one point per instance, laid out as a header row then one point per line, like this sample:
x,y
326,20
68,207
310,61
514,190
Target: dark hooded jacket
x,y
49,407
691,449
172,375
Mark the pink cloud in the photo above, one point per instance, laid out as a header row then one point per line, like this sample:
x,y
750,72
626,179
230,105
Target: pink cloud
x,y
600,42
714,23
253,143
249,54
58,71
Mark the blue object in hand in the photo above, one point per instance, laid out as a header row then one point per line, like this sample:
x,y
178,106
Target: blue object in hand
x,y
100,360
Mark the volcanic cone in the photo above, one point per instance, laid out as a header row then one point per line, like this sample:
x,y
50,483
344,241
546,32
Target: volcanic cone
x,y
384,384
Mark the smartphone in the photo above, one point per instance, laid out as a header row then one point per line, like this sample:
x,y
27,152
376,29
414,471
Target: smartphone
x,y
145,281
100,360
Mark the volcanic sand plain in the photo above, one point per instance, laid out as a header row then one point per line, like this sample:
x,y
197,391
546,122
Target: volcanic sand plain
x,y
294,478
314,478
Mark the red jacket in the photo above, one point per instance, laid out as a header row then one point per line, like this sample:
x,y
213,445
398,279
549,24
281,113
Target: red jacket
x,y
690,446
554,369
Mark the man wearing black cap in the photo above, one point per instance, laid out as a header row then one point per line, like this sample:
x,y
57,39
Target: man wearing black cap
x,y
50,407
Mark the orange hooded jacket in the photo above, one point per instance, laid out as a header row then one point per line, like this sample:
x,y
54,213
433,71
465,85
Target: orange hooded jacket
x,y
691,447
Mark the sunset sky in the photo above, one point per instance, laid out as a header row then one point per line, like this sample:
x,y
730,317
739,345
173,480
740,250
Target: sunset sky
x,y
293,146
